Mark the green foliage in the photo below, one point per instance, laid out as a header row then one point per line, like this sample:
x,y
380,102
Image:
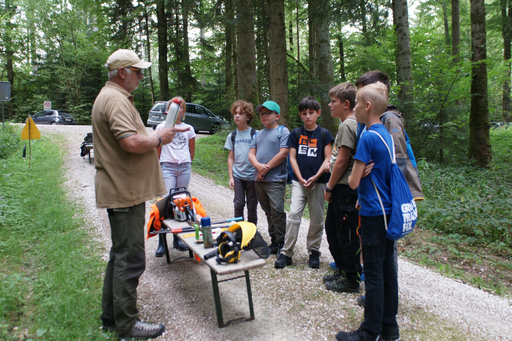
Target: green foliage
x,y
211,157
9,140
50,279
471,202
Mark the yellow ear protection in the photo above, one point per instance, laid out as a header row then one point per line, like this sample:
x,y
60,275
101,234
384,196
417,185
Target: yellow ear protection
x,y
229,250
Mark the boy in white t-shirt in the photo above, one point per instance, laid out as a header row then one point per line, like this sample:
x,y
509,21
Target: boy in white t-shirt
x,y
241,171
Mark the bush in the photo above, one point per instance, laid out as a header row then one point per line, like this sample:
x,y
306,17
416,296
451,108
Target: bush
x,y
472,202
9,140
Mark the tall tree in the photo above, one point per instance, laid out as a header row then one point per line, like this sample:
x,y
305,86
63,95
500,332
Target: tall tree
x,y
455,30
506,30
228,51
323,54
148,48
479,140
403,49
163,67
246,59
277,57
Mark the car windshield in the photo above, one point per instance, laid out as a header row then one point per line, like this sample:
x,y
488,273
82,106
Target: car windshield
x,y
159,107
64,114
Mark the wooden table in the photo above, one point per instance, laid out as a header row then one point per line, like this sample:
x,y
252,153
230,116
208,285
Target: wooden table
x,y
248,260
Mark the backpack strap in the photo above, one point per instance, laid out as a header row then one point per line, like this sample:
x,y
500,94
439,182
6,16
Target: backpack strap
x,y
392,156
233,135
279,131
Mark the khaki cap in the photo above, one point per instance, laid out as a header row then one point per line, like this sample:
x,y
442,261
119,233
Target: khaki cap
x,y
125,58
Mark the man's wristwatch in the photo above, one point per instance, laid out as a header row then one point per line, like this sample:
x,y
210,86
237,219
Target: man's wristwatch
x,y
328,189
159,140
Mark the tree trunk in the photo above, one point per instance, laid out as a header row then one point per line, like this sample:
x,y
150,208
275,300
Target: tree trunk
x,y
187,74
446,25
325,71
228,55
455,31
262,63
9,53
312,37
506,32
404,68
148,52
479,140
278,71
163,68
246,58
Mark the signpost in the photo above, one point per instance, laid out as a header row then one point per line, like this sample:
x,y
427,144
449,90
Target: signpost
x,y
5,95
47,105
30,132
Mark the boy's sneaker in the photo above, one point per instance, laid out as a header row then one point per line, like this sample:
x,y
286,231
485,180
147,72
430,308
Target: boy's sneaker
x,y
357,335
143,331
314,259
282,261
273,247
335,275
361,300
341,285
333,265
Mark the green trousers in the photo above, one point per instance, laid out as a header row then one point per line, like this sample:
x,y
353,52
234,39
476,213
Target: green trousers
x,y
127,263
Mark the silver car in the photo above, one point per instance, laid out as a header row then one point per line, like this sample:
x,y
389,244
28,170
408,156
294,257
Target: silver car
x,y
53,117
196,115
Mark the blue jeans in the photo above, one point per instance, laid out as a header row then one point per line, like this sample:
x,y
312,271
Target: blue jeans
x,y
176,175
246,189
381,280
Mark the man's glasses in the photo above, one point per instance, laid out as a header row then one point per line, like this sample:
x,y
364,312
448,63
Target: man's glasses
x,y
266,113
137,71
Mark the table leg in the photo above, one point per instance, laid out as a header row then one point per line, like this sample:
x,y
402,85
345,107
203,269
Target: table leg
x,y
166,249
216,296
249,293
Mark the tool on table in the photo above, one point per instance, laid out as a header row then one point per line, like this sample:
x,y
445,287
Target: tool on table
x,y
227,220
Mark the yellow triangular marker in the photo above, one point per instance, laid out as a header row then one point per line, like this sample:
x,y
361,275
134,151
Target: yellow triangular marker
x,y
30,131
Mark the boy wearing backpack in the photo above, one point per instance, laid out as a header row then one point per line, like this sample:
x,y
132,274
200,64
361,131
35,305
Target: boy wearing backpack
x,y
268,154
310,150
381,281
241,171
342,216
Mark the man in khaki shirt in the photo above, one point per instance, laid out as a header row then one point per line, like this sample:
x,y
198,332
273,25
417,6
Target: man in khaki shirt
x,y
127,174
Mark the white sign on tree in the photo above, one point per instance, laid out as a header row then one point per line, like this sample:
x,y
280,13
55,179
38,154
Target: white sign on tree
x,y
47,105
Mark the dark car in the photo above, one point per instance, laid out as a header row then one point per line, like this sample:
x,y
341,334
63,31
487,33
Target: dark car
x,y
197,116
53,117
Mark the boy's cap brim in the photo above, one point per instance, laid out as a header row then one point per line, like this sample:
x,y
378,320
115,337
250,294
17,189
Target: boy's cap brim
x,y
125,58
270,105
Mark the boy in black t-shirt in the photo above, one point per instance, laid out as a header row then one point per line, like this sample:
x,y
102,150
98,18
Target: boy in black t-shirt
x,y
310,151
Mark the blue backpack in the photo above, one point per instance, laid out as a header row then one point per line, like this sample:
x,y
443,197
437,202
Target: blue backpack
x,y
404,213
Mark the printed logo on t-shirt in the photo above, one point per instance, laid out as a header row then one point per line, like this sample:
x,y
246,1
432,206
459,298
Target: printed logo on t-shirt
x,y
243,141
307,146
179,141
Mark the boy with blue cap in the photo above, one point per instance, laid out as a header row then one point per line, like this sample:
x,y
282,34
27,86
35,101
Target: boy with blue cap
x,y
268,153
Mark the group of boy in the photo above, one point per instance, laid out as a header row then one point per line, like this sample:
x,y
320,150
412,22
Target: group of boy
x,y
359,166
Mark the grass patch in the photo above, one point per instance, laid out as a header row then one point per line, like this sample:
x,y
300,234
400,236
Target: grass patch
x,y
51,273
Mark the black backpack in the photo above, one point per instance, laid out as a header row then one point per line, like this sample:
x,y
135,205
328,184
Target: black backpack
x,y
233,135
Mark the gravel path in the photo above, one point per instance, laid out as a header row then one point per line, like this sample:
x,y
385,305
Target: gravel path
x,y
290,304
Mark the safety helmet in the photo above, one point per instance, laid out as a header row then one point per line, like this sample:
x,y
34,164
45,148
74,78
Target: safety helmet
x,y
244,233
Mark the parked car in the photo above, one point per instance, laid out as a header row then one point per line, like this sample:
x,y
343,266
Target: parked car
x,y
53,117
196,115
